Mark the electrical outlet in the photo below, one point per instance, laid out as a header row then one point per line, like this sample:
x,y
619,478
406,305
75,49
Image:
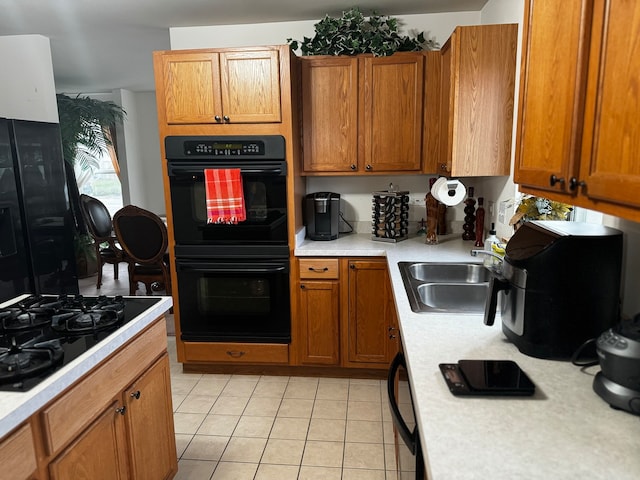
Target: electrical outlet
x,y
417,201
502,212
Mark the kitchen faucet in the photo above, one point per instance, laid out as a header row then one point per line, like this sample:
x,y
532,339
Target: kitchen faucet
x,y
474,253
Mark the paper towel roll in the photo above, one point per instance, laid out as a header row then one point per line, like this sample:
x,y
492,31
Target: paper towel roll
x,y
449,192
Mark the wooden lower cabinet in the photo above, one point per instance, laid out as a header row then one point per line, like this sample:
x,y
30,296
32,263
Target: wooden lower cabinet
x,y
114,423
346,315
370,322
149,419
18,455
98,454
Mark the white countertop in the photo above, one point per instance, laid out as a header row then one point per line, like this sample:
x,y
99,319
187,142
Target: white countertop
x,y
565,431
16,407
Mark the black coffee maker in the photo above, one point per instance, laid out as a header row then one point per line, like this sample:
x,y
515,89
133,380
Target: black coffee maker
x,y
322,212
559,286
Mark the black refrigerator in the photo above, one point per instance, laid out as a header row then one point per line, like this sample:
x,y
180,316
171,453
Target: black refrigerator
x,y
36,224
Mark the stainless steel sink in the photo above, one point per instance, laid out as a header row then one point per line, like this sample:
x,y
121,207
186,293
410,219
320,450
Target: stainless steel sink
x,y
445,287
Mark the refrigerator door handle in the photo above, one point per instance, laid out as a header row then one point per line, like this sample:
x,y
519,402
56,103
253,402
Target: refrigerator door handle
x,y
8,242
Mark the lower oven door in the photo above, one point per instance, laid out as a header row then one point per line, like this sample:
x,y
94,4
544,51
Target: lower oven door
x,y
409,459
234,300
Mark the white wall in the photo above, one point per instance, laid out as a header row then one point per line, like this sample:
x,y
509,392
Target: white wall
x,y
435,25
139,151
27,88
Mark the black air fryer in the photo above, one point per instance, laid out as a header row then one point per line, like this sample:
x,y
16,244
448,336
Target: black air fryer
x,y
560,286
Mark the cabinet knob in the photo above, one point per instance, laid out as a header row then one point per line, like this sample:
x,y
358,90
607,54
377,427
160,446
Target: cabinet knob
x,y
226,118
122,410
218,118
443,166
353,167
368,167
574,183
135,394
553,180
352,266
302,287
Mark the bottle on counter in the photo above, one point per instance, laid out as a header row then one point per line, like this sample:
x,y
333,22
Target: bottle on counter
x,y
469,217
432,215
491,239
480,224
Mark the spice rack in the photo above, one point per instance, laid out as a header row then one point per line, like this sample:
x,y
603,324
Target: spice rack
x,y
390,216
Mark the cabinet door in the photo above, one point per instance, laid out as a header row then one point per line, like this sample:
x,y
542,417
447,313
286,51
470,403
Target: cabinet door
x,y
98,454
250,86
611,169
18,455
390,99
368,317
552,87
191,90
478,81
330,113
319,322
150,424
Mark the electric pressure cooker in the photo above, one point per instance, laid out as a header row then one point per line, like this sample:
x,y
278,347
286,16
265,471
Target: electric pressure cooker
x,y
618,382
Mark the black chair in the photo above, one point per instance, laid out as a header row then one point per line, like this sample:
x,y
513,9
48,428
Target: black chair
x,y
98,220
143,236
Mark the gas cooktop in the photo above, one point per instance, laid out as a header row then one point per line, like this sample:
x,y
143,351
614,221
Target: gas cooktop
x,y
41,333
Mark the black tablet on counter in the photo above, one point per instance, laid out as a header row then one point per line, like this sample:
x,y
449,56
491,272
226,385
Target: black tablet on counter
x,y
487,377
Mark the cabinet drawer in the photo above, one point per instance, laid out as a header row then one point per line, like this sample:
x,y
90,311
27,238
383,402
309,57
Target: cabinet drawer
x,y
237,352
18,455
72,411
318,268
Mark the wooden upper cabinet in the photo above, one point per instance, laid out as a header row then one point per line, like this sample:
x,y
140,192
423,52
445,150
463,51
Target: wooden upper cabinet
x,y
477,98
390,102
579,104
552,86
330,113
362,114
610,169
218,87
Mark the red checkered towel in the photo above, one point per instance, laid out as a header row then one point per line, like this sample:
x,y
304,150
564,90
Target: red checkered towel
x,y
225,198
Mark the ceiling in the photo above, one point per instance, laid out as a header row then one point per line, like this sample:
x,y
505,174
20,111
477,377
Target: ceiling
x,y
97,47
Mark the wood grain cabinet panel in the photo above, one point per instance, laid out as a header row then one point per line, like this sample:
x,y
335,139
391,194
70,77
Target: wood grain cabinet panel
x,y
330,113
369,318
149,418
218,87
18,455
362,114
97,454
320,322
577,136
477,99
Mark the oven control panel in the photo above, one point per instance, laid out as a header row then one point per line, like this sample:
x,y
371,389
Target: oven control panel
x,y
217,148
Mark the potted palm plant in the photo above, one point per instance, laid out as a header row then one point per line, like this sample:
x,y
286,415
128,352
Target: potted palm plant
x,y
84,127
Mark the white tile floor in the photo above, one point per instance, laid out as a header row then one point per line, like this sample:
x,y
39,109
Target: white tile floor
x,y
259,427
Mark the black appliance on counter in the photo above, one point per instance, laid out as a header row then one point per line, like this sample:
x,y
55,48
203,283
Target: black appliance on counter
x,y
232,280
322,215
36,224
618,382
41,333
560,286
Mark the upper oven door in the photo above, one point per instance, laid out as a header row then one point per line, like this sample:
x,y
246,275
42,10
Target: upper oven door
x,y
264,172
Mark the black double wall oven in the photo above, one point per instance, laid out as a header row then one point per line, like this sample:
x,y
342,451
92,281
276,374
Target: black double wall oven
x,y
233,279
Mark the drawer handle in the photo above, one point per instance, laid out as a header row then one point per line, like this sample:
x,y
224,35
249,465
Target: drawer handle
x,y
235,353
318,270
135,394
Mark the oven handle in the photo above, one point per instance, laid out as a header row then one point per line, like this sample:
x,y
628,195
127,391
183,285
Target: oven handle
x,y
226,268
182,168
409,437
